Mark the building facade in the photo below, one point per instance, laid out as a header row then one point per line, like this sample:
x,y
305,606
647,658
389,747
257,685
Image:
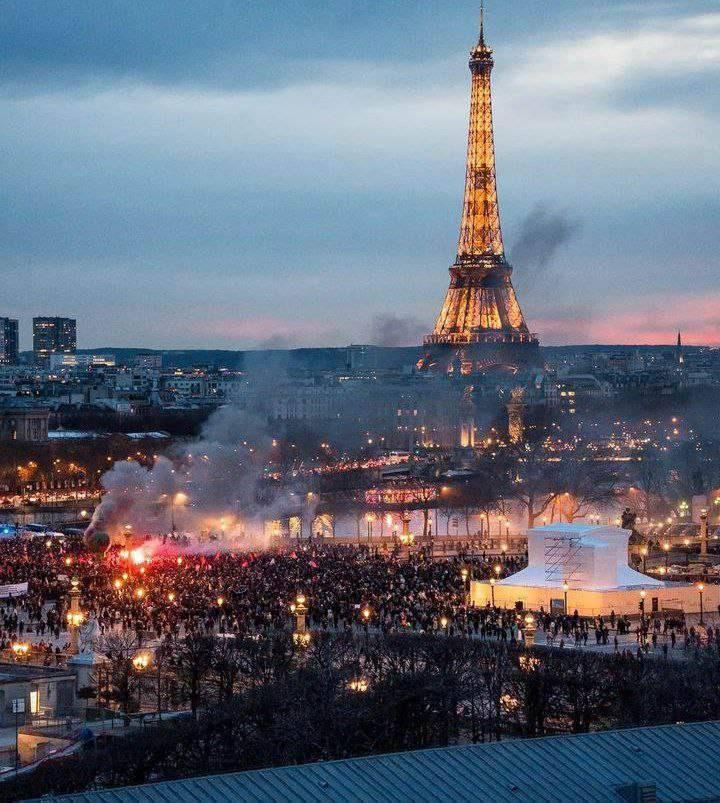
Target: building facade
x,y
27,424
9,341
53,336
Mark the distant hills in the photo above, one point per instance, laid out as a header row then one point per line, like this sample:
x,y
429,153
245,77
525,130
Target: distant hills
x,y
391,358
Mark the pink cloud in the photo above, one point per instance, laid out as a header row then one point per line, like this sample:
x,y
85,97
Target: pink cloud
x,y
645,321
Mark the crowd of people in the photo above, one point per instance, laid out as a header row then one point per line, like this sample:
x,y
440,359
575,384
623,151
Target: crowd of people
x,y
158,591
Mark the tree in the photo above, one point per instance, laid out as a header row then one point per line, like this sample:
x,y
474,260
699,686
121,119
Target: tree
x,y
122,682
537,483
192,659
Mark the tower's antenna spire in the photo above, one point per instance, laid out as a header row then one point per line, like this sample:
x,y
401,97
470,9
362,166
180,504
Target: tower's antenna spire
x,y
482,22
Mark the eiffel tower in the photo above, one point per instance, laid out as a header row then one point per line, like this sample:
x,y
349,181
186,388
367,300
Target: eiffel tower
x,y
481,325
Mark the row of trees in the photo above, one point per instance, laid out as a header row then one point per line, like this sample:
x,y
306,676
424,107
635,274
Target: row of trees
x,y
263,702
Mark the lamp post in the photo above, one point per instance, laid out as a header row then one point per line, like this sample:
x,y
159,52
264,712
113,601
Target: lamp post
x,y
301,635
666,548
492,590
701,587
464,575
529,630
643,594
20,649
565,588
444,624
140,663
75,616
644,553
369,519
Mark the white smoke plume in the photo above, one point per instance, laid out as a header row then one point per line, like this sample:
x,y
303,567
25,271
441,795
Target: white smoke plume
x,y
209,485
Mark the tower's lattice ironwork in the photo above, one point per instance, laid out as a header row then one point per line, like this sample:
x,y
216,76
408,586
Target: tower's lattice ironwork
x,y
481,323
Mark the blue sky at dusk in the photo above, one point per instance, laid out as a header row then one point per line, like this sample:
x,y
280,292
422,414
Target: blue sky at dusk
x,y
237,174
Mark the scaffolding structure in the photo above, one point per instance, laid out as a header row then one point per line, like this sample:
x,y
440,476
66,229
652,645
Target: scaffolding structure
x,y
564,561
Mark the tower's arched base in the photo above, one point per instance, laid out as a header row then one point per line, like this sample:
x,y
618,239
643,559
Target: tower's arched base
x,y
473,358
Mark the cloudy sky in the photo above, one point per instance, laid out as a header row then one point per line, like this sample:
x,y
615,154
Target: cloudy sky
x,y
232,173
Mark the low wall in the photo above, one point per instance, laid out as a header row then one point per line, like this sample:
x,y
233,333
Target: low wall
x,y
673,596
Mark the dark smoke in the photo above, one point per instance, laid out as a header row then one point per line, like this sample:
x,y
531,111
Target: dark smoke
x,y
542,234
393,330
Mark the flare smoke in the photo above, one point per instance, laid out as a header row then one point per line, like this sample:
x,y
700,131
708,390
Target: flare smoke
x,y
210,484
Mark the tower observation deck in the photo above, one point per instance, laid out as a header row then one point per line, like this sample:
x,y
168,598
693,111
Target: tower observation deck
x,y
480,324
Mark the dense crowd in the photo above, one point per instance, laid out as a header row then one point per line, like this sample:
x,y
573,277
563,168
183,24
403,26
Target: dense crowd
x,y
156,591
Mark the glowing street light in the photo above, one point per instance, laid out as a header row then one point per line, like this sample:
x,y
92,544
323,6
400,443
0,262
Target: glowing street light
x,y
141,661
75,616
301,635
529,630
565,588
20,649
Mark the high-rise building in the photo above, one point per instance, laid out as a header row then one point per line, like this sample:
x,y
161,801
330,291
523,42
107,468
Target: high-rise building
x,y
480,324
53,336
8,341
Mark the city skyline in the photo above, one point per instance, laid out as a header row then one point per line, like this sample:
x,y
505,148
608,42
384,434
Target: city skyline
x,y
227,177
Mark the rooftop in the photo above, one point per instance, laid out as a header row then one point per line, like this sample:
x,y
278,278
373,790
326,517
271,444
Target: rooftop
x,y
20,673
588,767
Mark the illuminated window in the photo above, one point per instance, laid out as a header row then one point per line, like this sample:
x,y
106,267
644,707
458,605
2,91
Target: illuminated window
x,y
34,702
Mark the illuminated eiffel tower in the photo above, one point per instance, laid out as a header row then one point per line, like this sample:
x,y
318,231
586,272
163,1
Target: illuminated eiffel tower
x,y
480,325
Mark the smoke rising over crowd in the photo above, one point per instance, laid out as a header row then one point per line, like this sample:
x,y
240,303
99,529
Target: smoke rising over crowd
x,y
207,485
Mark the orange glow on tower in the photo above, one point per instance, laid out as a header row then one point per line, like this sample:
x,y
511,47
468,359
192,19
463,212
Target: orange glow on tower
x,y
480,323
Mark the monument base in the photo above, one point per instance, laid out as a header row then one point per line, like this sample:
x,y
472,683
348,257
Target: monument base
x,y
584,568
668,597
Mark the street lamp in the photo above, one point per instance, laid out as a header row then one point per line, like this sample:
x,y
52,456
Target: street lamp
x,y
492,590
643,594
369,518
701,587
666,547
529,630
301,635
141,661
444,624
20,649
75,616
565,588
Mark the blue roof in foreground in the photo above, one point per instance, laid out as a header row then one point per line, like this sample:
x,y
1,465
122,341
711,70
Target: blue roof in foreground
x,y
680,761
